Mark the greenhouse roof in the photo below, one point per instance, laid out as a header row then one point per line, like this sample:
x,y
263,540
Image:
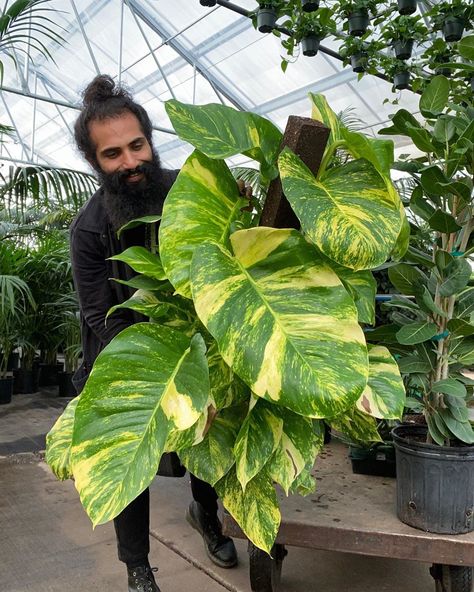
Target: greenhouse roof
x,y
172,48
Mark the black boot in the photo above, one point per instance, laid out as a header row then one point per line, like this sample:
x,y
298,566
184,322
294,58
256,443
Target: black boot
x,y
141,579
219,548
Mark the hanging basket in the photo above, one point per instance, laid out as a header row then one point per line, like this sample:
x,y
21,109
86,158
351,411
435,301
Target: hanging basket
x,y
310,45
406,6
403,48
266,19
359,62
435,484
309,5
401,80
453,28
358,23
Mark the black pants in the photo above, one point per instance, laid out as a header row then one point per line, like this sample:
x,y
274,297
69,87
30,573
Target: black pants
x,y
132,525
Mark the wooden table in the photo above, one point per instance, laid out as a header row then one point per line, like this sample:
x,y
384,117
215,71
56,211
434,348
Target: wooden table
x,y
356,514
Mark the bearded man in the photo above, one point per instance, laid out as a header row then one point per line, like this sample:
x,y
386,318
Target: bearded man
x,y
114,134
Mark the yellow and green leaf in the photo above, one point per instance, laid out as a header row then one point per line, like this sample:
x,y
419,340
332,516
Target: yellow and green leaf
x,y
321,111
360,428
59,442
142,261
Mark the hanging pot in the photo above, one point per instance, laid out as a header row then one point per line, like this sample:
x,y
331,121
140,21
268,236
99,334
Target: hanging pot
x,y
406,6
359,61
435,484
401,80
208,2
453,28
442,71
358,23
266,19
6,390
403,48
309,5
310,45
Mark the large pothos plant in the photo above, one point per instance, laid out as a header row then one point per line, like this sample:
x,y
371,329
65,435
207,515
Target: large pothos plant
x,y
255,334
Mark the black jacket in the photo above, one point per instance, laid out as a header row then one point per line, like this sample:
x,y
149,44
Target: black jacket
x,y
93,241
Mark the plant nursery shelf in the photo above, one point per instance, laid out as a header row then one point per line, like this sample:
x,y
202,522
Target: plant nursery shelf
x,y
356,514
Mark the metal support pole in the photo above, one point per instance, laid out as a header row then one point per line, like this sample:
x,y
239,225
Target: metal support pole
x,y
120,43
86,39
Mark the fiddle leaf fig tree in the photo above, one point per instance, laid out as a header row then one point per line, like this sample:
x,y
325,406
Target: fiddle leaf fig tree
x,y
255,334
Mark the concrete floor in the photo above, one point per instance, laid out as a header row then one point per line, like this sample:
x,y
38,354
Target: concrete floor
x,y
47,543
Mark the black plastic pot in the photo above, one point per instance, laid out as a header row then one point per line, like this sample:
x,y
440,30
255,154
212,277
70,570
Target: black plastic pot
x,y
453,28
403,48
401,80
266,19
358,23
208,2
310,45
49,374
406,6
65,386
6,390
309,5
359,61
435,484
377,460
26,381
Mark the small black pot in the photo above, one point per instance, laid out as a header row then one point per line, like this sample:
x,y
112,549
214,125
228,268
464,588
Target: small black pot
x,y
266,19
6,390
443,72
377,460
13,361
358,23
406,6
403,48
359,61
453,28
66,388
401,80
208,2
435,484
26,381
309,5
310,45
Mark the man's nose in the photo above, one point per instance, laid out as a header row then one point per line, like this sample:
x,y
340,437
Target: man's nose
x,y
129,160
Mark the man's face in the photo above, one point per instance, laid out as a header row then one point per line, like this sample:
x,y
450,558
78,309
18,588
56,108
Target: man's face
x,y
120,146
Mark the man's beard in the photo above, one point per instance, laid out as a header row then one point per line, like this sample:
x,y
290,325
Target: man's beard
x,y
125,201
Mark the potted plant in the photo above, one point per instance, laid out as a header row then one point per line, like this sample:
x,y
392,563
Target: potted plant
x,y
437,54
402,32
228,363
311,28
406,6
70,330
451,18
359,53
355,14
396,70
267,14
435,475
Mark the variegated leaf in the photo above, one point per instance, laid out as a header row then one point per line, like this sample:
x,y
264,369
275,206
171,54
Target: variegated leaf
x,y
257,440
148,380
145,303
283,320
403,239
142,261
255,510
138,222
359,427
322,112
59,441
220,132
179,439
378,152
362,286
384,395
201,206
212,458
304,484
348,213
226,387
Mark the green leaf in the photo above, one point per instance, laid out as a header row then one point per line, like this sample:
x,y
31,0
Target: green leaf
x,y
226,387
148,380
460,328
219,132
384,395
256,441
59,441
138,222
401,119
465,303
282,319
466,47
378,152
416,333
358,426
456,277
435,97
432,180
462,430
383,333
201,206
406,278
435,433
255,510
145,303
443,222
403,239
349,214
421,138
451,387
412,364
362,286
141,282
321,111
426,302
142,261
444,130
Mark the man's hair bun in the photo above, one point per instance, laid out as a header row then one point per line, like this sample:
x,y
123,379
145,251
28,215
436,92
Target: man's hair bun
x,y
101,89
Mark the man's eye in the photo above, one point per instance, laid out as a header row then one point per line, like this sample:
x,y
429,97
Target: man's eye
x,y
111,154
137,146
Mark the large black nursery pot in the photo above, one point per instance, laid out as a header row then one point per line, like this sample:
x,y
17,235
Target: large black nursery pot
x,y
358,23
406,6
266,19
6,390
401,80
435,484
310,45
309,5
453,28
403,48
26,381
65,386
49,374
359,61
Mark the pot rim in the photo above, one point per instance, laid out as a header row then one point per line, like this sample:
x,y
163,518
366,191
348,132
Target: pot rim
x,y
401,440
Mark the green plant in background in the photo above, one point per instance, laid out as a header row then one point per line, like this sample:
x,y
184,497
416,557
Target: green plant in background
x,y
255,336
443,15
69,327
433,330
